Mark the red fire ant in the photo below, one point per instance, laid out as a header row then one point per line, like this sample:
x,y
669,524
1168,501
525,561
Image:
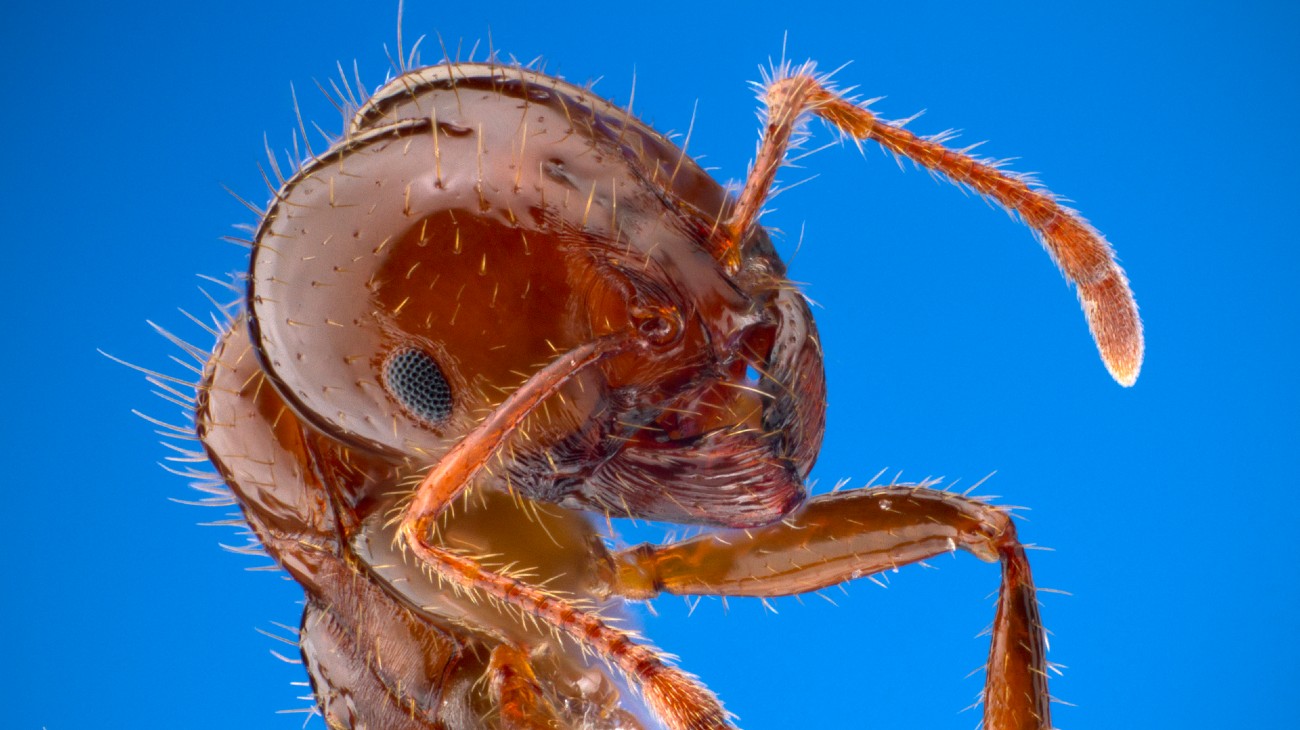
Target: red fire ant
x,y
498,305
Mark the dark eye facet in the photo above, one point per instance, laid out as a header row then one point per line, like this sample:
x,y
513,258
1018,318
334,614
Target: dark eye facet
x,y
414,378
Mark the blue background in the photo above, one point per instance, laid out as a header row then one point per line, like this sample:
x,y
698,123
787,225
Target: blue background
x,y
953,346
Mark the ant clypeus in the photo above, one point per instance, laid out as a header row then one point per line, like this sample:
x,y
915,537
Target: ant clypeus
x,y
499,305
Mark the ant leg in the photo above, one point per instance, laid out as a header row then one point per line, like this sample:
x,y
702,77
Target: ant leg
x,y
517,693
675,696
837,537
1083,254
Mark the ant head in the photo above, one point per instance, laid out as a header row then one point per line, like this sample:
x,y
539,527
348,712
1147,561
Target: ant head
x,y
475,223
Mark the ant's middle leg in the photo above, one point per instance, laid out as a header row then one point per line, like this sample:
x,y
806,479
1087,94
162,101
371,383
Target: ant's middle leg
x,y
837,537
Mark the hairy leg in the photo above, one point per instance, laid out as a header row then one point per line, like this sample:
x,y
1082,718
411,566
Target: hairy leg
x,y
678,698
517,693
838,537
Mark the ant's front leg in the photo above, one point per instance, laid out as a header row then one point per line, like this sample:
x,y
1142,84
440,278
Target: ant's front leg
x,y
676,697
837,537
518,695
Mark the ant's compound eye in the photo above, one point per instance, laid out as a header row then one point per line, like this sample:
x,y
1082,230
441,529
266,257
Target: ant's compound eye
x,y
416,381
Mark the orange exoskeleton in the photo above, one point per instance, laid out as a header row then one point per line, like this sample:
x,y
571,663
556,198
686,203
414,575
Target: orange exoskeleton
x,y
498,306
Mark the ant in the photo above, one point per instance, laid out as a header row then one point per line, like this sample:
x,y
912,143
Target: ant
x,y
499,306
